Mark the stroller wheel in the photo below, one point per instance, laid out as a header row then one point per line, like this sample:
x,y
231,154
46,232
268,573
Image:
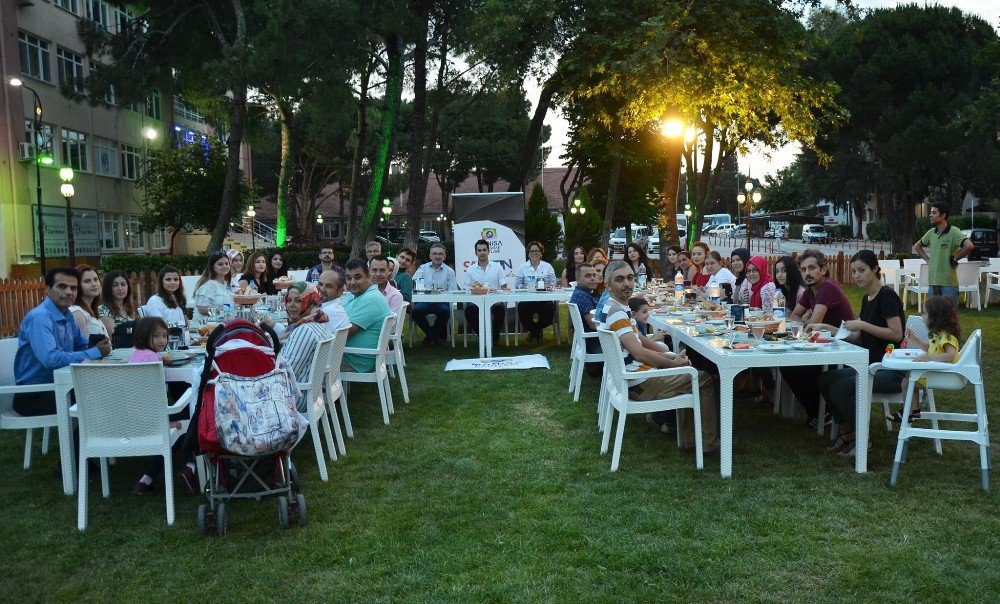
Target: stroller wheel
x,y
300,508
203,520
283,518
221,520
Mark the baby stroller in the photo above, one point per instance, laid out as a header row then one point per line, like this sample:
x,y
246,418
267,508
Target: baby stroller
x,y
247,423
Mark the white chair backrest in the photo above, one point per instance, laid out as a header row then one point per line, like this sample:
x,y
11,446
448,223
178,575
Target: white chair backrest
x,y
8,348
923,275
968,273
966,368
388,326
299,275
888,263
916,323
190,283
397,333
574,315
614,362
118,402
994,265
913,264
337,351
319,364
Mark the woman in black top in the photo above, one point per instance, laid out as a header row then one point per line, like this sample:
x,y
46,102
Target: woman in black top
x,y
880,324
275,268
636,256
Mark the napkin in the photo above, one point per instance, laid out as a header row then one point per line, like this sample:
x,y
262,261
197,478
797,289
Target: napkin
x,y
842,333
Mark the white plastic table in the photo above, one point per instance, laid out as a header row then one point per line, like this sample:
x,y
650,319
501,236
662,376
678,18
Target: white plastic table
x,y
63,380
486,301
732,362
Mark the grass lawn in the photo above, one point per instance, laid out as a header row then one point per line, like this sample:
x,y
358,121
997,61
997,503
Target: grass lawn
x,y
489,486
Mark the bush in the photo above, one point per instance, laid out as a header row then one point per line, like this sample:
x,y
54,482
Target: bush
x,y
795,231
878,230
540,225
922,226
840,231
982,221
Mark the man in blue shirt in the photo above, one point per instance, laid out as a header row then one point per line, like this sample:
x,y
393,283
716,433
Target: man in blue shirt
x,y
326,263
435,275
50,339
585,297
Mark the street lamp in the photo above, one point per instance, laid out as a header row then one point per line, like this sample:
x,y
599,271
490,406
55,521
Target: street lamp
x,y
751,198
149,132
386,210
17,83
577,207
253,235
67,191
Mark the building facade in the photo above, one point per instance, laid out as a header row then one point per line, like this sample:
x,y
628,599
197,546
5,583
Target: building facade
x,y
103,143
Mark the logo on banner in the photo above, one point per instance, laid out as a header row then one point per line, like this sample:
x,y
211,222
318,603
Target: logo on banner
x,y
489,233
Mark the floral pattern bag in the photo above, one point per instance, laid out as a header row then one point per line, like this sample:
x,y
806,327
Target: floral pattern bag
x,y
257,415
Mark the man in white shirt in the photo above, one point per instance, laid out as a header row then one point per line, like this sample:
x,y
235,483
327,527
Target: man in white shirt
x,y
372,249
486,274
378,267
439,276
331,286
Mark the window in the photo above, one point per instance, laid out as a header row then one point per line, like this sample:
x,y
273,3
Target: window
x,y
135,239
131,159
74,150
120,17
159,239
98,12
111,232
70,69
110,95
43,143
330,229
105,157
153,106
186,111
72,6
132,107
34,57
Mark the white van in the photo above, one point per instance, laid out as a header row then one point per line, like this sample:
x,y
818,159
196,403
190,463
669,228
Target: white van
x,y
814,233
640,234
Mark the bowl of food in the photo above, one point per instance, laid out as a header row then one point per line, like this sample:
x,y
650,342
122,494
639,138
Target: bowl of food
x,y
478,289
689,317
282,282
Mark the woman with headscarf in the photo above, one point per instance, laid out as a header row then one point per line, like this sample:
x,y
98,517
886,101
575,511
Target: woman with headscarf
x,y
762,287
305,330
236,262
738,264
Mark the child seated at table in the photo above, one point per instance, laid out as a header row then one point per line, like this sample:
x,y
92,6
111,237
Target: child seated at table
x,y
945,330
640,312
150,339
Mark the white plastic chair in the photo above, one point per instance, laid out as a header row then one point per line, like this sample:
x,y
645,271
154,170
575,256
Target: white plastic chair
x,y
992,285
299,275
190,283
395,360
123,412
12,420
947,376
316,407
968,283
334,388
917,286
617,394
916,323
380,374
578,351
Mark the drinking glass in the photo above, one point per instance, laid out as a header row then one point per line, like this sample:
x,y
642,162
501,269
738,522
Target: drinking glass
x,y
795,329
758,333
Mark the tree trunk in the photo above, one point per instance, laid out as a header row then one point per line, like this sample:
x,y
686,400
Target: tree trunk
x,y
284,170
668,202
418,176
609,212
380,169
231,189
527,159
352,230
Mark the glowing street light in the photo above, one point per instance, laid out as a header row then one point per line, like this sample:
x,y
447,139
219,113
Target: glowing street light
x,y
750,198
67,190
577,207
386,209
671,128
253,234
149,132
39,160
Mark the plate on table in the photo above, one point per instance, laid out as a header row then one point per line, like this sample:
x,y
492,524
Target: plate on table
x,y
712,330
809,345
712,313
119,354
906,353
762,323
177,356
775,347
734,348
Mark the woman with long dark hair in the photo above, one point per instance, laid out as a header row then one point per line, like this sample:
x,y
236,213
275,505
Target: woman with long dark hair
x,y
636,256
169,302
213,286
117,303
788,280
576,256
275,268
88,301
738,261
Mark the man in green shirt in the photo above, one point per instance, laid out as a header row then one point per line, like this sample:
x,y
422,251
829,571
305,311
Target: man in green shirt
x,y
366,309
938,248
404,278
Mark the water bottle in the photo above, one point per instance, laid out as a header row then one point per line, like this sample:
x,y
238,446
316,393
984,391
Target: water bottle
x,y
529,278
421,287
540,283
641,277
678,289
778,309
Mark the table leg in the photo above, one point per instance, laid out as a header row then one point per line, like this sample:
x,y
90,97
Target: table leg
x,y
863,418
726,377
67,456
485,329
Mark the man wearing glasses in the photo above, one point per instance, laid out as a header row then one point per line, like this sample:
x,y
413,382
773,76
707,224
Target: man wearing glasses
x,y
438,276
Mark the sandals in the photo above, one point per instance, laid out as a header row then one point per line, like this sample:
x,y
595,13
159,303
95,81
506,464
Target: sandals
x,y
840,443
897,416
851,449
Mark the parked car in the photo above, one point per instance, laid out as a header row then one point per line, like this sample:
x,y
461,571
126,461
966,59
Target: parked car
x,y
640,235
653,244
776,232
985,242
724,230
814,233
429,237
740,232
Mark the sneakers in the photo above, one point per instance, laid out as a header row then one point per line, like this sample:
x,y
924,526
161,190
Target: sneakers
x,y
188,479
142,488
813,423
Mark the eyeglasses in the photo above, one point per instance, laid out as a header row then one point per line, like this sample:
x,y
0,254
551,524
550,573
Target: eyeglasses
x,y
752,271
535,251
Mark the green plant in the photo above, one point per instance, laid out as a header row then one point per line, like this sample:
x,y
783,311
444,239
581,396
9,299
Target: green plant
x,y
878,230
982,221
795,231
840,231
540,225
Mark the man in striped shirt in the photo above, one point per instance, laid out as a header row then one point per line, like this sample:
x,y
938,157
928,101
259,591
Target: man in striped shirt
x,y
642,354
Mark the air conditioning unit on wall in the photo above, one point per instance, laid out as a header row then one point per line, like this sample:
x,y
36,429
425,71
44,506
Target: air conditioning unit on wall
x,y
26,151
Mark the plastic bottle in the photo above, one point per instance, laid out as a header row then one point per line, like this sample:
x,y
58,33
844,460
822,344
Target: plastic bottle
x,y
640,279
420,285
539,283
678,288
778,309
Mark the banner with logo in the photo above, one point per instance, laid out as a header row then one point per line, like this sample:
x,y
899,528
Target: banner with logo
x,y
496,217
527,361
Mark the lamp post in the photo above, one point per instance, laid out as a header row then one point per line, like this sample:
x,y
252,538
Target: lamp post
x,y
17,83
751,198
253,235
577,207
68,191
386,210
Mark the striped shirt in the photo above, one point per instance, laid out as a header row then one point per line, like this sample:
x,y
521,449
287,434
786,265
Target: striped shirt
x,y
618,319
299,349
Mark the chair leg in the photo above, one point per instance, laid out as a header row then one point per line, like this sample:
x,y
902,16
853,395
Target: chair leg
x,y
168,485
934,422
105,483
572,367
904,434
318,447
821,418
388,396
606,428
619,435
699,458
578,380
328,432
402,379
347,414
45,441
885,414
382,400
81,490
331,410
27,447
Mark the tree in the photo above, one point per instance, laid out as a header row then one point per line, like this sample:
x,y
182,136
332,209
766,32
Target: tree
x,y
183,186
583,229
539,224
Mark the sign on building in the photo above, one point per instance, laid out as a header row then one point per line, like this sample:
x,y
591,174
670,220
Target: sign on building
x,y
85,232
